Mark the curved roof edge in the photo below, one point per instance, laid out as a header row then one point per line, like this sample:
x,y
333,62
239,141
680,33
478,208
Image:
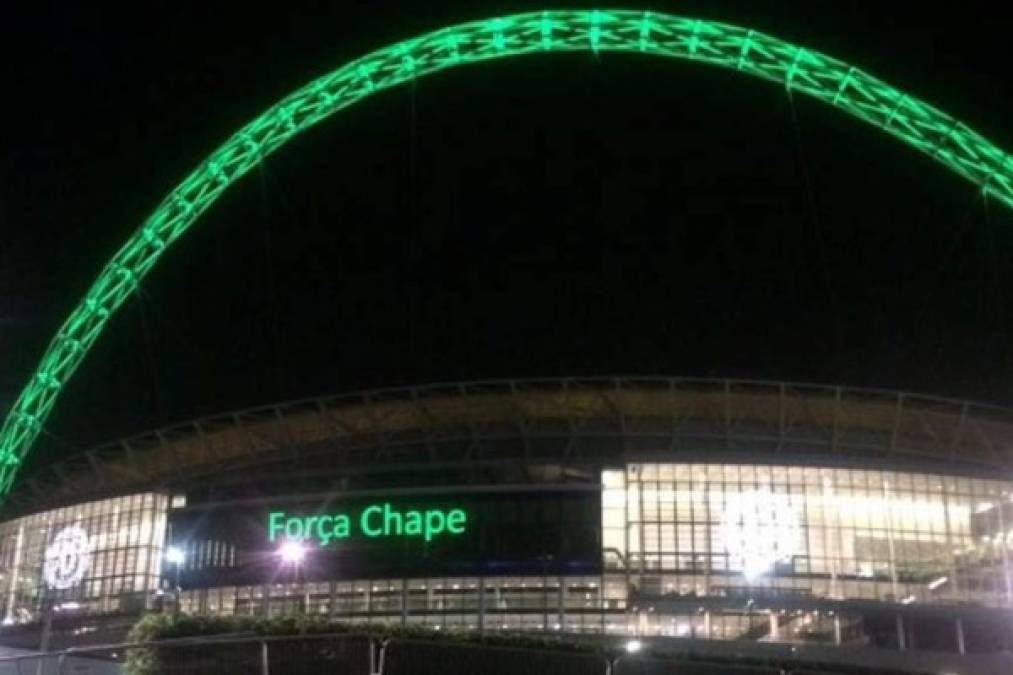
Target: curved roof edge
x,y
792,416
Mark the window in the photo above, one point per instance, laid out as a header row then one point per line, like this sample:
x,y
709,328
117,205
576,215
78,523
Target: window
x,y
825,531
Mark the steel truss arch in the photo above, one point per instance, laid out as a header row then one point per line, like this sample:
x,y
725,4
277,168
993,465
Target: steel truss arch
x,y
920,125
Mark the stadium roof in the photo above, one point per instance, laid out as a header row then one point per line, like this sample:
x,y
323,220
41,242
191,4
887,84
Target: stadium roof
x,y
543,421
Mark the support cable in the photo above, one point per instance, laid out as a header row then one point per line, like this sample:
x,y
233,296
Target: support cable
x,y
814,218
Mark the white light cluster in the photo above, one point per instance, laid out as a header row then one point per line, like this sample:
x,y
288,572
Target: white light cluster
x,y
67,558
292,552
174,555
759,529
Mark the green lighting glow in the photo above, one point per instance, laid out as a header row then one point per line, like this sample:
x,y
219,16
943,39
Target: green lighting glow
x,y
374,521
922,126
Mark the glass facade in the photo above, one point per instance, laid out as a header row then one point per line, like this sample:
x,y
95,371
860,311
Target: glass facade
x,y
692,530
714,551
554,603
97,557
723,551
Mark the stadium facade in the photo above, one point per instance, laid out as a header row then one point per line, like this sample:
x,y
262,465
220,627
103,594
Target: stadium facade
x,y
679,508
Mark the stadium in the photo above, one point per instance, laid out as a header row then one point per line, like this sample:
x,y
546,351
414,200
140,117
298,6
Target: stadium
x,y
680,508
731,514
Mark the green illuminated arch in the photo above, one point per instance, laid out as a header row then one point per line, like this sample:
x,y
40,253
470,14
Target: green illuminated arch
x,y
843,86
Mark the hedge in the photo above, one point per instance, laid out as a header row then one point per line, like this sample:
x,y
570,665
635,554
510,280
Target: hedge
x,y
158,627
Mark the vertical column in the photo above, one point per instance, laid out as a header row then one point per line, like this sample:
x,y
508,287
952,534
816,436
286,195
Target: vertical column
x,y
889,539
404,602
545,597
1000,539
901,637
837,629
950,546
602,601
959,625
481,605
561,604
707,625
627,551
775,628
12,589
643,625
711,545
640,524
831,537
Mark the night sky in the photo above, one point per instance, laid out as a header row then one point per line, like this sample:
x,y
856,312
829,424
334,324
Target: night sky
x,y
540,216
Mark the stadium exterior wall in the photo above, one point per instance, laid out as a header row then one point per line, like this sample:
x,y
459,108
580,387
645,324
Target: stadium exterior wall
x,y
662,508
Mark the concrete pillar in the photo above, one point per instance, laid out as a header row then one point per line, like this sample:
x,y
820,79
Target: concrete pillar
x,y
837,629
707,625
960,636
775,628
901,637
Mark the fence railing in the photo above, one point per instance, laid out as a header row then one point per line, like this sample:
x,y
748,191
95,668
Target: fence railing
x,y
355,654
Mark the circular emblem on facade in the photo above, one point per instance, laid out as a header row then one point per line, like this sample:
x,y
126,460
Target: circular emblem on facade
x,y
67,558
760,529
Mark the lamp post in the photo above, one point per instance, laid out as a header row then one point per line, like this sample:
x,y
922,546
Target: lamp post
x,y
174,555
292,553
631,647
48,607
546,560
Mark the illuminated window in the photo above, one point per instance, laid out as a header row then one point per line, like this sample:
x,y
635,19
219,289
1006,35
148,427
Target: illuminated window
x,y
886,535
124,540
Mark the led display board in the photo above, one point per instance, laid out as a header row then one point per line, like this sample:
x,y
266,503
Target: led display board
x,y
513,532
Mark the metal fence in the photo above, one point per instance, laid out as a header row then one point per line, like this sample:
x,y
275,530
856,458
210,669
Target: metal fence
x,y
343,653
